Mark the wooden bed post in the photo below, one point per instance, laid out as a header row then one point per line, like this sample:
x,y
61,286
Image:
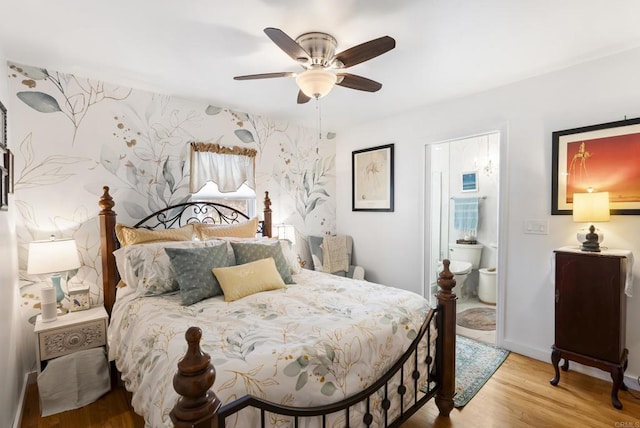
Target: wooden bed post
x,y
266,230
447,300
107,245
197,405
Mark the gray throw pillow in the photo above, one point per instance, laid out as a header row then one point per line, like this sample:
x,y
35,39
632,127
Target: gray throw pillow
x,y
193,270
246,252
315,247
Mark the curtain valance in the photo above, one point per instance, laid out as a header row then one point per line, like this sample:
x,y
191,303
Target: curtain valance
x,y
228,167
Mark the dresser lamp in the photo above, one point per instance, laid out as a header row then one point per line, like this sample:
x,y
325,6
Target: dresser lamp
x,y
53,256
591,207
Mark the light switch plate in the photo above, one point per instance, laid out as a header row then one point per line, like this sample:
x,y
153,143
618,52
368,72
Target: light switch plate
x,y
536,227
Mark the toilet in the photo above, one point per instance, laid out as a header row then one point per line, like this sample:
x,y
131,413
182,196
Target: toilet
x,y
464,258
487,286
460,271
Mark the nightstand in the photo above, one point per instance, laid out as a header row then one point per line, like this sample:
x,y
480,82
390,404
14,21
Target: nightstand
x,y
72,332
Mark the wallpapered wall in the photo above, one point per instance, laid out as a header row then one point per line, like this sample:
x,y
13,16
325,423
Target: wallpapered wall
x,y
74,135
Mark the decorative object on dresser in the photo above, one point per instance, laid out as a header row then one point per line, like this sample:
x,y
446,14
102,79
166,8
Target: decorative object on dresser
x,y
71,359
590,312
591,207
53,256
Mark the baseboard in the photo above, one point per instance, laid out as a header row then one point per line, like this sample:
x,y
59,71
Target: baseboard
x,y
29,378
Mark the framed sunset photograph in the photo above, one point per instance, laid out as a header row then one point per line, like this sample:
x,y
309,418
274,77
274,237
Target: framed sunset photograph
x,y
602,157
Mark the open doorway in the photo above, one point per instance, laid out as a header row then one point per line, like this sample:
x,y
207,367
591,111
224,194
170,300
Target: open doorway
x,y
462,199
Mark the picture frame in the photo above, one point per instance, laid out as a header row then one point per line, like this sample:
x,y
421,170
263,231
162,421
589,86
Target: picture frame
x,y
469,181
603,157
80,299
5,161
372,172
9,162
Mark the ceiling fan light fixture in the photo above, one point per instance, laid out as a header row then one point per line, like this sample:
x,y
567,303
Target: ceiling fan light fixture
x,y
316,83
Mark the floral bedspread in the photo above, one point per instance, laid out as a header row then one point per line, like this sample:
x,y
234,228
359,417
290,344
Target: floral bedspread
x,y
312,343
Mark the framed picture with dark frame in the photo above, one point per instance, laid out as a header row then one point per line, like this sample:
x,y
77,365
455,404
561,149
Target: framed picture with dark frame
x,y
602,157
372,179
6,159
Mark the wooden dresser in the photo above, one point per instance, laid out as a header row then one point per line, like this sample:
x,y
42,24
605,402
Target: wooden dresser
x,y
590,312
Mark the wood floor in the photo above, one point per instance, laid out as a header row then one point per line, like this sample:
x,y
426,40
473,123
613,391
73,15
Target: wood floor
x,y
518,395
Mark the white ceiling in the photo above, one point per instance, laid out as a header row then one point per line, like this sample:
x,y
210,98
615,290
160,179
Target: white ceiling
x,y
193,48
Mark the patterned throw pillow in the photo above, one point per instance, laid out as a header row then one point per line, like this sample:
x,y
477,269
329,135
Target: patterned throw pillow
x,y
130,235
250,278
249,252
245,229
193,270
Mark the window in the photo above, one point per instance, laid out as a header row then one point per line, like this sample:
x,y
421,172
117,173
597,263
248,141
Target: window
x,y
243,199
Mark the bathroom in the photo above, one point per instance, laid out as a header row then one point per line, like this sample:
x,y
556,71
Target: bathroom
x,y
465,175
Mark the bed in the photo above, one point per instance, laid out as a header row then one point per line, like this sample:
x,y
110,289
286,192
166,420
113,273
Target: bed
x,y
320,350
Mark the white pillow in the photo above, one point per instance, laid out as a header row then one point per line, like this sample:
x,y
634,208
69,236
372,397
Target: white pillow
x,y
290,256
147,268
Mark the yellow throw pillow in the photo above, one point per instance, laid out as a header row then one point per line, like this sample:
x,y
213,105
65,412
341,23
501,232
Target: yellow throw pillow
x,y
243,280
245,229
130,235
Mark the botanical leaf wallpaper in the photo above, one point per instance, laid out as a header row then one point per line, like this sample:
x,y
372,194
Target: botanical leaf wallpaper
x,y
73,135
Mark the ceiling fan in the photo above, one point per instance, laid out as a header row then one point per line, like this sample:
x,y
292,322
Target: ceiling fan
x,y
315,52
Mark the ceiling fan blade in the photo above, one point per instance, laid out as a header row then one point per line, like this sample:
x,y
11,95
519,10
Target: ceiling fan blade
x,y
302,98
287,44
365,51
358,82
265,75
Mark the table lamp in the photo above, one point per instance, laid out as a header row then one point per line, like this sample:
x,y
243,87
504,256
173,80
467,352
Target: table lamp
x,y
591,207
286,231
53,256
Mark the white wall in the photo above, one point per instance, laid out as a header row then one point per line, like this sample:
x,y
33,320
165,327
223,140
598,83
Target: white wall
x,y
12,336
389,245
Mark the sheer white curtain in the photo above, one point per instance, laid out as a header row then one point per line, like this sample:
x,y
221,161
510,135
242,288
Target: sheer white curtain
x,y
228,167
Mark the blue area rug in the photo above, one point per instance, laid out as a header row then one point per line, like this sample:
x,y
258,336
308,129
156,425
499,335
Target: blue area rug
x,y
476,362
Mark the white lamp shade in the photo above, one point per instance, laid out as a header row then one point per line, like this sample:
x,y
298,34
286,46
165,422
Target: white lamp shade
x,y
286,231
316,83
52,256
591,207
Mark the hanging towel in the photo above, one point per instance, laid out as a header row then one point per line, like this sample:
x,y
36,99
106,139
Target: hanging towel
x,y
334,254
465,215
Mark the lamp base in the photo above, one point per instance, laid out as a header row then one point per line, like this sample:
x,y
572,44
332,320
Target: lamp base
x,y
591,242
55,280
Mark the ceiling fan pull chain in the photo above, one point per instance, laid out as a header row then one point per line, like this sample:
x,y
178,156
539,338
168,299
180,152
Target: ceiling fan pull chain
x,y
319,110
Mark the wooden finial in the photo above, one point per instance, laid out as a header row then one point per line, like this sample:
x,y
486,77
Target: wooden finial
x,y
267,225
446,281
106,201
193,381
267,201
